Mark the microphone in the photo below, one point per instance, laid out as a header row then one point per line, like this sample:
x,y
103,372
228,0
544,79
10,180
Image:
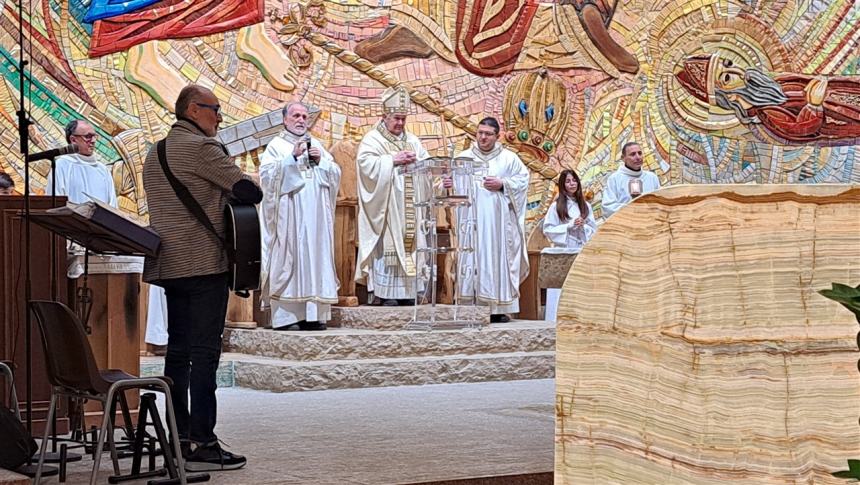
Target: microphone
x,y
53,153
311,160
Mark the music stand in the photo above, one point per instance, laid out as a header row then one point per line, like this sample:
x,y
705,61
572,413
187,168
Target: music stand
x,y
101,229
104,230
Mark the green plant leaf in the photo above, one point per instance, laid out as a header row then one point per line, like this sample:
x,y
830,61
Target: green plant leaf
x,y
849,298
853,471
844,474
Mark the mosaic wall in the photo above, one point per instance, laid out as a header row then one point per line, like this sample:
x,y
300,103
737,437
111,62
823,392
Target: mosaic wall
x,y
717,91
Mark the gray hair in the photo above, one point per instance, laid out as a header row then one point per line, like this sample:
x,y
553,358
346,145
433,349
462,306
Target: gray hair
x,y
760,91
290,105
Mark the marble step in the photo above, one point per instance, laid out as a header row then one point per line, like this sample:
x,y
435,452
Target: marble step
x,y
346,344
278,375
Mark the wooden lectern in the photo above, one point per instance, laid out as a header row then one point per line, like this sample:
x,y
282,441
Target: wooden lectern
x,y
12,282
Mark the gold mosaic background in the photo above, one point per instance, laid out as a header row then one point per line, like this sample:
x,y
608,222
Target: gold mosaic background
x,y
567,96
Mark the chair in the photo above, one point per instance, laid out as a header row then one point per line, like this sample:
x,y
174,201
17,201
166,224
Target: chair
x,y
72,372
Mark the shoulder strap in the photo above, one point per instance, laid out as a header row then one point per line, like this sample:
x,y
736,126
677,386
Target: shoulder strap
x,y
182,192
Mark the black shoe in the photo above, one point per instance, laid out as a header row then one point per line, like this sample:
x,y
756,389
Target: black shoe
x,y
499,318
291,327
406,302
312,326
389,302
212,458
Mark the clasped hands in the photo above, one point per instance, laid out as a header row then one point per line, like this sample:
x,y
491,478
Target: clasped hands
x,y
301,148
404,158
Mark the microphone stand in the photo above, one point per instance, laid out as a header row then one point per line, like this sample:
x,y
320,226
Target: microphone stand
x,y
24,138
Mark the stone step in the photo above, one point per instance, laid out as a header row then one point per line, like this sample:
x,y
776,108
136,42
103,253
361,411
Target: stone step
x,y
398,317
278,375
346,344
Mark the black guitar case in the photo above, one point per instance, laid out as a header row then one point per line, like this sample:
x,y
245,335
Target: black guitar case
x,y
241,227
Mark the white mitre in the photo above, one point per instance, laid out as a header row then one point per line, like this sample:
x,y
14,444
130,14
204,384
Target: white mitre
x,y
396,100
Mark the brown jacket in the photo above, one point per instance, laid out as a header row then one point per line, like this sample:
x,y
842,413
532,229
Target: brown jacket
x,y
201,163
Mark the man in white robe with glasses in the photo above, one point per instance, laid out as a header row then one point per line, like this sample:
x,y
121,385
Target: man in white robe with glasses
x,y
499,263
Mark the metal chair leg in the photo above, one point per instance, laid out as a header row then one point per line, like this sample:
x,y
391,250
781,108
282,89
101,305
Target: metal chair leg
x,y
170,417
112,442
97,456
44,446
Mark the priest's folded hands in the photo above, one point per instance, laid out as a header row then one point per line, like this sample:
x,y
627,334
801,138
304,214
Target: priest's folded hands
x,y
404,158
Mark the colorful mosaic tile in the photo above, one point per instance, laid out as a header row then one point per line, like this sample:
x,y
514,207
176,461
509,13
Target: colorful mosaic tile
x,y
609,94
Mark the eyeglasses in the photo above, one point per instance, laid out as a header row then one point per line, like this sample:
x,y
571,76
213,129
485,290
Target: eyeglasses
x,y
88,136
214,107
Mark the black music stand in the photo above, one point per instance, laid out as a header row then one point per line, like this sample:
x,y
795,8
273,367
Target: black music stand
x,y
101,229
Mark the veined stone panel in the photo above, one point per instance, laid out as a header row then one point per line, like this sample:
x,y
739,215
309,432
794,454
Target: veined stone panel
x,y
693,347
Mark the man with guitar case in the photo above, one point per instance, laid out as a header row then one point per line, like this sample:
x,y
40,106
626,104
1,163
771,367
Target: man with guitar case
x,y
189,179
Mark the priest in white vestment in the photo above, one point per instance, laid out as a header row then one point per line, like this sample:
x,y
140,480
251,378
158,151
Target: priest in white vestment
x,y
628,182
299,278
499,262
81,176
386,246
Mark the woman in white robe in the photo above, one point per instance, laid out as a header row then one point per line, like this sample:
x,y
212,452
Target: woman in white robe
x,y
568,224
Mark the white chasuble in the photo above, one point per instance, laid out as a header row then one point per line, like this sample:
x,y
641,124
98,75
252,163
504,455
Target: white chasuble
x,y
616,194
385,263
499,262
299,279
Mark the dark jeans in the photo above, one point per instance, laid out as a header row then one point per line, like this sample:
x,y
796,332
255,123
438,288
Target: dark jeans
x,y
196,309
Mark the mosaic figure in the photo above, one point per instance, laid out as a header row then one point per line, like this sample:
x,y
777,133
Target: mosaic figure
x,y
789,108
